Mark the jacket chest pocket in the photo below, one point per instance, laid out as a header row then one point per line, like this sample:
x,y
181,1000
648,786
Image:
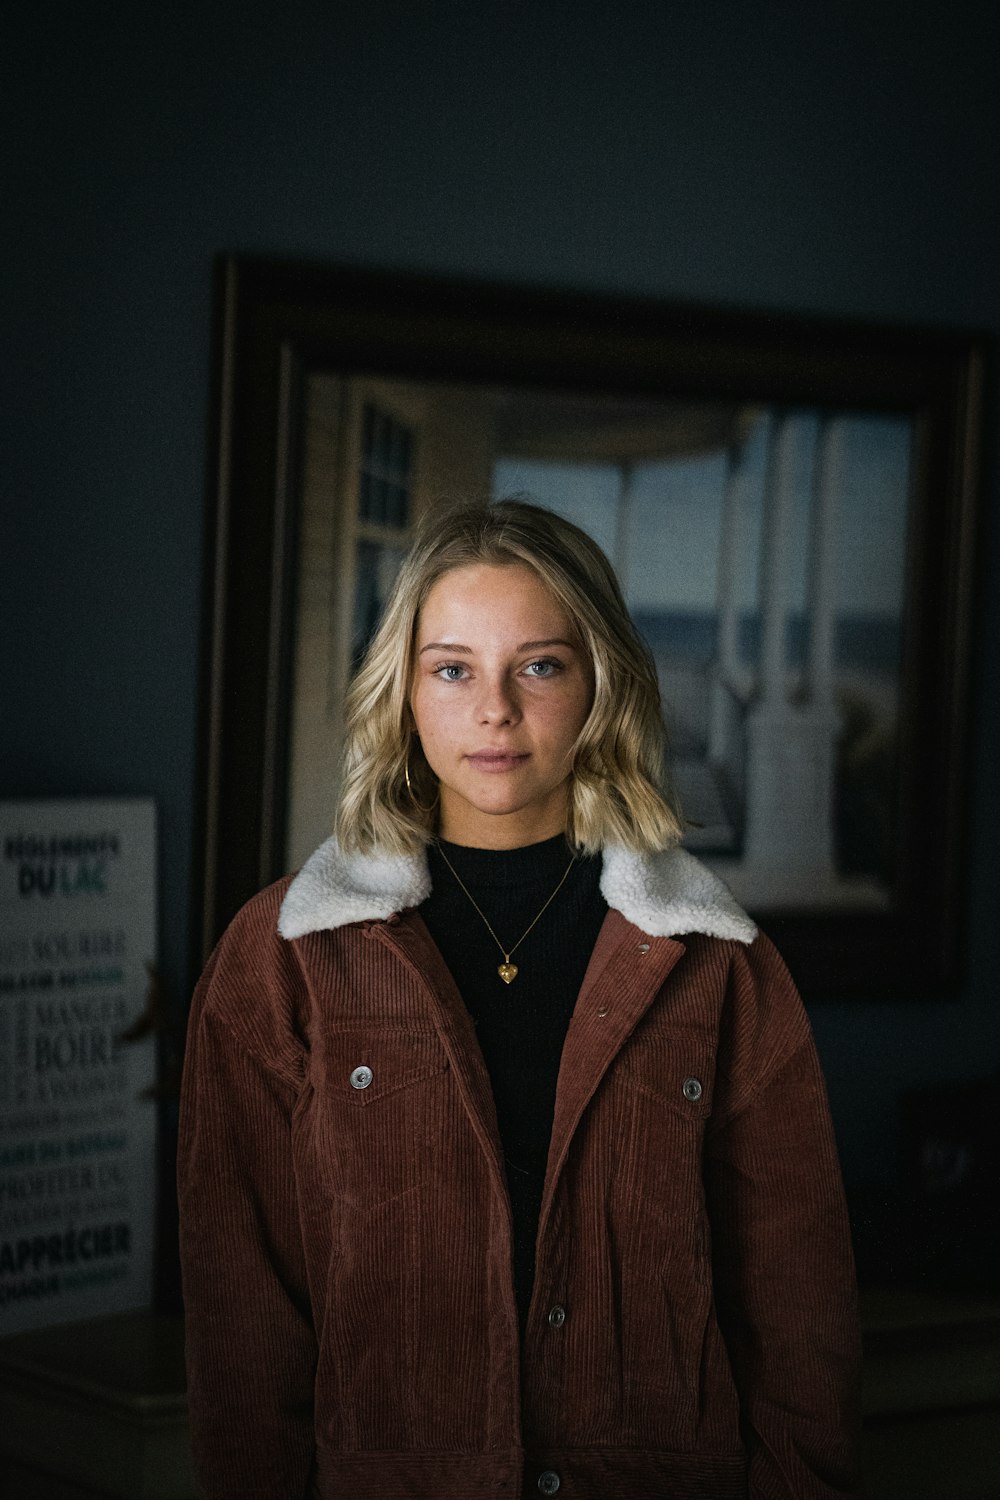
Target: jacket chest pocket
x,y
665,1096
674,1071
383,1105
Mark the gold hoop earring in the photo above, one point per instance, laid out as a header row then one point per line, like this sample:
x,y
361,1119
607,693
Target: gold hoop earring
x,y
409,787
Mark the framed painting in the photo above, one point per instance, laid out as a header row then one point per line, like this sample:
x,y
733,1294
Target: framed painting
x,y
791,508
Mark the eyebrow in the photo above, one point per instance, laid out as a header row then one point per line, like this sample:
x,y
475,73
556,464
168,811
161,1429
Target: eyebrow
x,y
524,646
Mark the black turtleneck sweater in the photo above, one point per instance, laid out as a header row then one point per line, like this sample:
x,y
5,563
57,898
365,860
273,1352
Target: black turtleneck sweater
x,y
521,1027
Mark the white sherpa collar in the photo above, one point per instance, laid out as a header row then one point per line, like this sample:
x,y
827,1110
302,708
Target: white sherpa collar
x,y
665,894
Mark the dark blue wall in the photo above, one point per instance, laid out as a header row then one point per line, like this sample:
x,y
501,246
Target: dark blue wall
x,y
837,158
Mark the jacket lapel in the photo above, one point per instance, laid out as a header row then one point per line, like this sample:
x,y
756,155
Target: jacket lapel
x,y
626,971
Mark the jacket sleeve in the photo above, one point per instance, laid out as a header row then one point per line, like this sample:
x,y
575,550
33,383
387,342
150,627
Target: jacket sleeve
x,y
251,1351
782,1258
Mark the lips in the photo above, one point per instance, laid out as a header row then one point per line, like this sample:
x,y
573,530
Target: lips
x,y
496,760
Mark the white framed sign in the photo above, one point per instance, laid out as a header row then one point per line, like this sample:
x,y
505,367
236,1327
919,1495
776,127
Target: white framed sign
x,y
77,1117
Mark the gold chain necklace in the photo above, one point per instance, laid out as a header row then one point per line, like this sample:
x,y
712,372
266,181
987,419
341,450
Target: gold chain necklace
x,y
506,970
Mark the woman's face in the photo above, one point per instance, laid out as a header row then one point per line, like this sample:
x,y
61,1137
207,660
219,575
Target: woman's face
x,y
501,688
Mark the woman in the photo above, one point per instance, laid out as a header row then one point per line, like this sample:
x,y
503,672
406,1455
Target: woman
x,y
506,1166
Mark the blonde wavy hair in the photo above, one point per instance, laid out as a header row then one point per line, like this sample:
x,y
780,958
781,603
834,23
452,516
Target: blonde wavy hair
x,y
618,788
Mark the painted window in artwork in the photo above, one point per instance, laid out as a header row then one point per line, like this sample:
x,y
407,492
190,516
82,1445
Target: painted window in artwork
x,y
384,480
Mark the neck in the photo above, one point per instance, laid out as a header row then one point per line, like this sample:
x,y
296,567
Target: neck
x,y
465,825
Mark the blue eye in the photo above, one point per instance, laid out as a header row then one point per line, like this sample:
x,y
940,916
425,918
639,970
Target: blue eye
x,y
545,667
447,668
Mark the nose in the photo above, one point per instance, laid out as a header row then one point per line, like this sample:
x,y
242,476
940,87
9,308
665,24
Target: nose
x,y
498,703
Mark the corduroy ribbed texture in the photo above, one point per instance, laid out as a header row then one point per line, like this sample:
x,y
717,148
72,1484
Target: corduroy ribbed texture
x,y
352,1327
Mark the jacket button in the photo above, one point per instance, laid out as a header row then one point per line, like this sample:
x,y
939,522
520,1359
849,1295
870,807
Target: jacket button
x,y
557,1315
692,1090
361,1078
643,947
548,1482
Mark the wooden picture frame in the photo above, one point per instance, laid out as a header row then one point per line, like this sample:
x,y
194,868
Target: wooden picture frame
x,y
287,331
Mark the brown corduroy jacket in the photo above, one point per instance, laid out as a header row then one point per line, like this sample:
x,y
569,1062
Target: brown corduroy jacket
x,y
346,1235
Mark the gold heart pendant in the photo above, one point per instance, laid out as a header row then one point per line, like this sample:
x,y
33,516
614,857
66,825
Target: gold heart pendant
x,y
508,973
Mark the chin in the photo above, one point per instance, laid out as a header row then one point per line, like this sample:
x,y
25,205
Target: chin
x,y
499,809
497,806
